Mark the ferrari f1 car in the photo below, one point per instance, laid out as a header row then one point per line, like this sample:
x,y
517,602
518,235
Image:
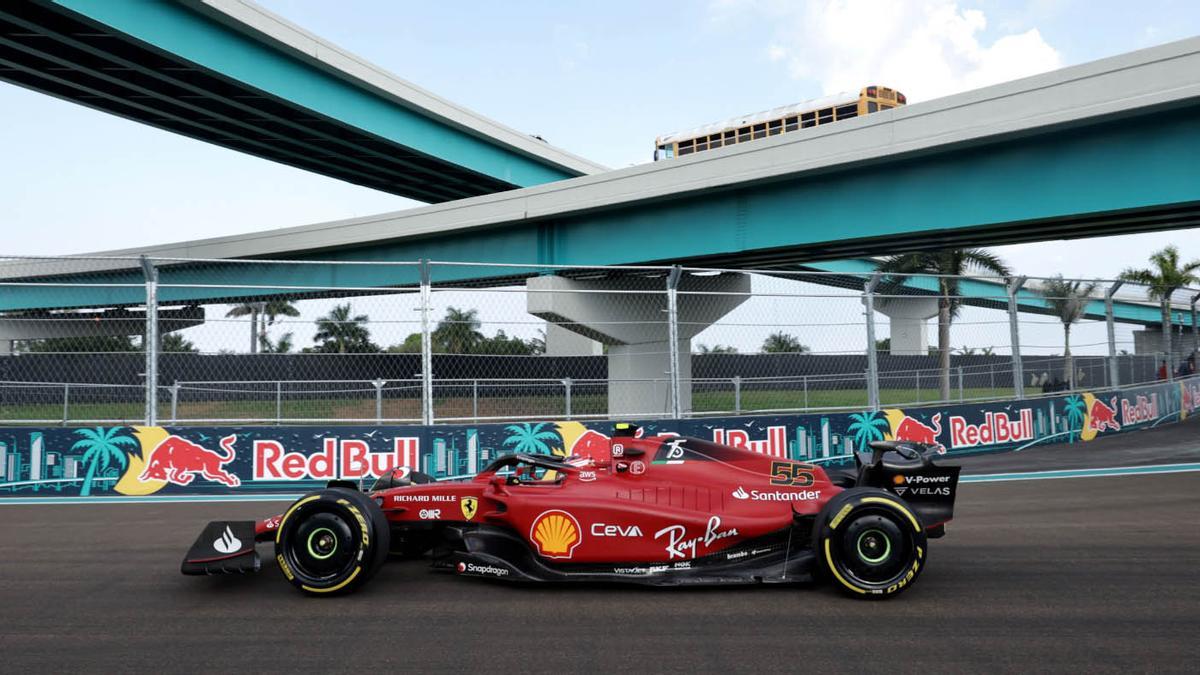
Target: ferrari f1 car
x,y
659,510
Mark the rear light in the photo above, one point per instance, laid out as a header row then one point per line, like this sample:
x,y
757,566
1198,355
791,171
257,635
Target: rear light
x,y
900,98
871,91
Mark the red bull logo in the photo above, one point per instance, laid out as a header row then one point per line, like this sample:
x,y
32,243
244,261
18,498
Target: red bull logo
x,y
996,428
775,444
1142,410
905,428
339,458
178,461
1103,416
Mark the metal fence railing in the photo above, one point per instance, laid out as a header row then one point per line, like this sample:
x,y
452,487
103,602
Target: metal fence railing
x,y
288,342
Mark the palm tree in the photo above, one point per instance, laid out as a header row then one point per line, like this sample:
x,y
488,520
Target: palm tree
x,y
949,265
103,447
867,427
528,438
783,343
174,342
281,346
458,332
1068,300
1073,409
340,332
716,349
250,308
1166,276
269,311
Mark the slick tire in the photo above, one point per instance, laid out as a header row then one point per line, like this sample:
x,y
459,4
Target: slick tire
x,y
869,544
331,542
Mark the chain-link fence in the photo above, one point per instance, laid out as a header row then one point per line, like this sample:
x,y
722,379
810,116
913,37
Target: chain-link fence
x,y
291,342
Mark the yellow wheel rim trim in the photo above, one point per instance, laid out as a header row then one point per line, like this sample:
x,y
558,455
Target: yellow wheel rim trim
x,y
334,588
833,568
908,514
279,530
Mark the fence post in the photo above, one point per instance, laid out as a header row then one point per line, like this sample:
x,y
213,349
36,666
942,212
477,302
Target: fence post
x,y
805,381
673,338
961,396
475,401
378,400
66,402
1014,330
737,394
567,395
426,347
150,343
278,401
1114,371
872,357
174,401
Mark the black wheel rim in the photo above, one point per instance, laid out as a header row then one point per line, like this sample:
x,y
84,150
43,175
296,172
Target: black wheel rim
x,y
874,548
323,547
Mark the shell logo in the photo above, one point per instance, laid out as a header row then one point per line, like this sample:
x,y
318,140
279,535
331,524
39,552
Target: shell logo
x,y
556,534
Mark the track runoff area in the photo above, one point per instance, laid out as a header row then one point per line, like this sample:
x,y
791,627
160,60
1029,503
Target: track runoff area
x,y
1098,571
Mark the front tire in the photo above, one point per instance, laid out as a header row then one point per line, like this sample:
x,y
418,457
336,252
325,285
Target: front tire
x,y
332,541
869,543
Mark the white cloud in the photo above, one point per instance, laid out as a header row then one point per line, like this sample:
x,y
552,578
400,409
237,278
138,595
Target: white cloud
x,y
925,49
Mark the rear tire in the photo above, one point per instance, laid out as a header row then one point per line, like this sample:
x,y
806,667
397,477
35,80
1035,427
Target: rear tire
x,y
869,544
332,541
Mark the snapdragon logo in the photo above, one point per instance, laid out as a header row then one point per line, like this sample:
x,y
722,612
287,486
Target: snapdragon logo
x,y
472,568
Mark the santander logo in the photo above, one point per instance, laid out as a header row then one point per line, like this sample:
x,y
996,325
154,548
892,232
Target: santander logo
x,y
741,493
227,543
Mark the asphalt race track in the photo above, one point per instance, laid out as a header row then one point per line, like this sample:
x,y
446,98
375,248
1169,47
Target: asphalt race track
x,y
1095,574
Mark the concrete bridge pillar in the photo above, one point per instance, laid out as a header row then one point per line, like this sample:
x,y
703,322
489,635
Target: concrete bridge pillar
x,y
629,314
909,322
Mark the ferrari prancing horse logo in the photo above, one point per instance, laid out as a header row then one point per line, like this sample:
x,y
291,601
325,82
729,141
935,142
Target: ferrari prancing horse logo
x,y
469,506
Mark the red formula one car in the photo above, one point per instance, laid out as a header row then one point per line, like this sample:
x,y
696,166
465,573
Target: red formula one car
x,y
662,510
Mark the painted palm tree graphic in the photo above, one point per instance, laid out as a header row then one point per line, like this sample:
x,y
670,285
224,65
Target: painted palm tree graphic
x,y
867,427
102,448
1074,411
531,439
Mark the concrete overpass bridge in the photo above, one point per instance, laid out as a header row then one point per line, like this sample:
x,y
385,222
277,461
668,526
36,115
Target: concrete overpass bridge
x,y
231,73
1106,147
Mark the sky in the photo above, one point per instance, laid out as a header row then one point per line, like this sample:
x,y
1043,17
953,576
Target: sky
x,y
599,79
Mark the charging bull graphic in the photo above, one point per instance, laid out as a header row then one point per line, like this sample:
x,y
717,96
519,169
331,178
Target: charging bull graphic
x,y
1102,416
905,428
178,461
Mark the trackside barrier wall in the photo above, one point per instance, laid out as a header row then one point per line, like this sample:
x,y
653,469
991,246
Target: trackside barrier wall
x,y
154,460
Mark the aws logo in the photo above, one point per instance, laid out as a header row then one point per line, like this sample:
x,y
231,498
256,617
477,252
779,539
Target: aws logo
x,y
556,534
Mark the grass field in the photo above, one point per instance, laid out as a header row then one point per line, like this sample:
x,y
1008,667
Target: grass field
x,y
464,408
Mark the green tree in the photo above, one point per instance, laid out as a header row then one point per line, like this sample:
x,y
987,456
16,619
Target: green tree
x,y
458,332
783,343
102,447
283,345
531,439
411,345
867,427
338,332
174,342
716,349
263,314
97,344
1165,276
1068,300
949,265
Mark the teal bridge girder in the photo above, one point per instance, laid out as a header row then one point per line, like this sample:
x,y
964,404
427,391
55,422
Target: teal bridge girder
x,y
1102,148
229,73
